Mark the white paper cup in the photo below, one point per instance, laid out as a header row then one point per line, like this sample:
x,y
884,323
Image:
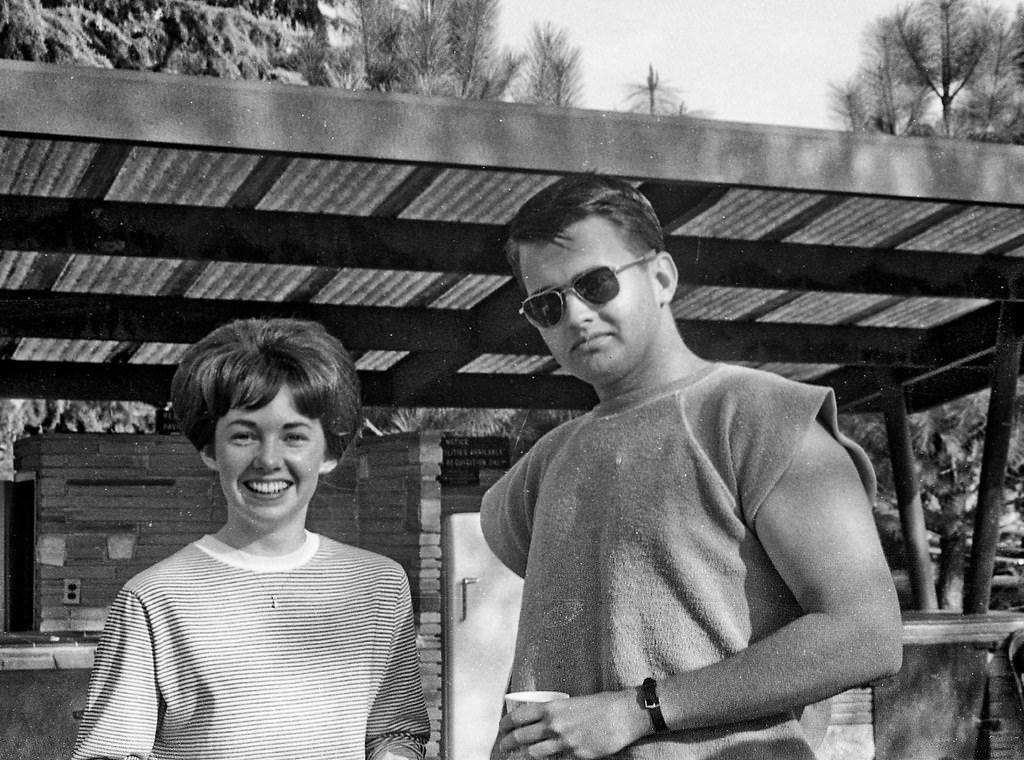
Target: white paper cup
x,y
517,698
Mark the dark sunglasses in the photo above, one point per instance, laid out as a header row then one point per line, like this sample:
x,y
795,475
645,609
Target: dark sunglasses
x,y
595,286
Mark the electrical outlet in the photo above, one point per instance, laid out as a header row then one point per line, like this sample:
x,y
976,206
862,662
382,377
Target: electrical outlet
x,y
72,591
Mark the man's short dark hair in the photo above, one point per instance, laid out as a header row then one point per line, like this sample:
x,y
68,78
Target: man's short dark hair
x,y
545,216
245,363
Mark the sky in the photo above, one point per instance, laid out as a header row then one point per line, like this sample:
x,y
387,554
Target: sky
x,y
760,61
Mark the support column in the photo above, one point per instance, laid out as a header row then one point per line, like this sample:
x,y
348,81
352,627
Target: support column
x,y
908,499
998,432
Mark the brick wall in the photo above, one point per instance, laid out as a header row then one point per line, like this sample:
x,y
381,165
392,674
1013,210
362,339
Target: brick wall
x,y
399,515
110,505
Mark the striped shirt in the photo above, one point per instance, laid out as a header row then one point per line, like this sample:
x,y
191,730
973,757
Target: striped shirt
x,y
204,657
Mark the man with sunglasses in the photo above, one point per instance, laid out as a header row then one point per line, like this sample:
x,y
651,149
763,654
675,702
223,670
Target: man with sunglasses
x,y
699,555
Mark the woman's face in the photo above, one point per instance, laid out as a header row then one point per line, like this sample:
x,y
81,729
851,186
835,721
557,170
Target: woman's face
x,y
269,461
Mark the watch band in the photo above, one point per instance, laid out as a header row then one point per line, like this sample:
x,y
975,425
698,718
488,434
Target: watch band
x,y
649,694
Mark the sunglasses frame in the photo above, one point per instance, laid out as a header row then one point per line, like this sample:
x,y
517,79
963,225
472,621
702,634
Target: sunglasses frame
x,y
562,290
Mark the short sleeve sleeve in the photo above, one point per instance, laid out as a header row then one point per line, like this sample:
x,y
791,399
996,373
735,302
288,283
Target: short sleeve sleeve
x,y
766,418
506,514
398,719
123,707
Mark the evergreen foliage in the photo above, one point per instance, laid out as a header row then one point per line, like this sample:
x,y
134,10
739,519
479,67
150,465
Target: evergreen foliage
x,y
226,40
22,417
428,47
654,96
953,68
553,73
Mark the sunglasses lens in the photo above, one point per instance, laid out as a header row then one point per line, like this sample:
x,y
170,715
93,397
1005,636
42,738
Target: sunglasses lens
x,y
544,309
598,286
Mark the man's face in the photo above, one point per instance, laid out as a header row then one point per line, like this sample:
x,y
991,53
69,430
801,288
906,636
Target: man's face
x,y
607,345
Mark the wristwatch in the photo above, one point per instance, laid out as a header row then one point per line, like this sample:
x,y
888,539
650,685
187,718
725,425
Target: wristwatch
x,y
649,701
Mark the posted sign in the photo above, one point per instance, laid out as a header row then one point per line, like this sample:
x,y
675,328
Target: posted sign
x,y
462,457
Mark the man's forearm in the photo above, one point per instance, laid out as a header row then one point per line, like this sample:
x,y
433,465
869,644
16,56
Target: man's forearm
x,y
808,660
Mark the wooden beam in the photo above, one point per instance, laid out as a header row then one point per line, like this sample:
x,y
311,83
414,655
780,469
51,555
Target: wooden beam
x,y
856,392
83,103
905,234
267,171
92,316
83,381
151,384
103,170
847,269
952,350
425,374
992,480
947,384
908,499
410,189
676,204
500,332
493,327
797,222
64,225
801,343
502,326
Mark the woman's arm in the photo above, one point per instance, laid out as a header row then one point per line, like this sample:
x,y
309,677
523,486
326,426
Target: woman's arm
x,y
398,726
123,706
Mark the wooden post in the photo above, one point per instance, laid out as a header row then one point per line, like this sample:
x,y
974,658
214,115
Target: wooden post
x,y
998,432
908,499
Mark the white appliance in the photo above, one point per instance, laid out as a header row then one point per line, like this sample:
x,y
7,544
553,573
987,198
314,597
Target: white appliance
x,y
481,611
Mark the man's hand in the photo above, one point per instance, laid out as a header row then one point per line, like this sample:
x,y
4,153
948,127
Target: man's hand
x,y
580,728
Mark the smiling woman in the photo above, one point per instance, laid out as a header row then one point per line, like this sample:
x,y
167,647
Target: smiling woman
x,y
329,666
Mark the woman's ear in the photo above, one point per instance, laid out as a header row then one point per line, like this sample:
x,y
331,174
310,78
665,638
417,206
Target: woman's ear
x,y
206,454
328,465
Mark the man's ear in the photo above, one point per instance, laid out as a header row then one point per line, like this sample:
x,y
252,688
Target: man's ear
x,y
328,465
666,275
206,454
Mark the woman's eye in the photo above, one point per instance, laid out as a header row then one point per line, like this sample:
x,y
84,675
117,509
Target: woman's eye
x,y
242,437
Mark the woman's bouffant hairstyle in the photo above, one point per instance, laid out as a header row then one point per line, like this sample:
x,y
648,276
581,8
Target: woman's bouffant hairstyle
x,y
544,217
243,365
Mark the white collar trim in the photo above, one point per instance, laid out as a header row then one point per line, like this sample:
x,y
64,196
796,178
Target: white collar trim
x,y
258,563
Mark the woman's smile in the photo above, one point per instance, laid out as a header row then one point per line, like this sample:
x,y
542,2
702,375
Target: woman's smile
x,y
267,487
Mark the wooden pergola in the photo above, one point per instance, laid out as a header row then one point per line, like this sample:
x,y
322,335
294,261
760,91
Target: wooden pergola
x,y
137,211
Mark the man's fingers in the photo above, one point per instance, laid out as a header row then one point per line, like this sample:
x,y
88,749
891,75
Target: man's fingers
x,y
546,748
521,716
523,736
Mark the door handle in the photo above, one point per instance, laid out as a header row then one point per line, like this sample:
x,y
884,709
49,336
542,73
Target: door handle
x,y
465,583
